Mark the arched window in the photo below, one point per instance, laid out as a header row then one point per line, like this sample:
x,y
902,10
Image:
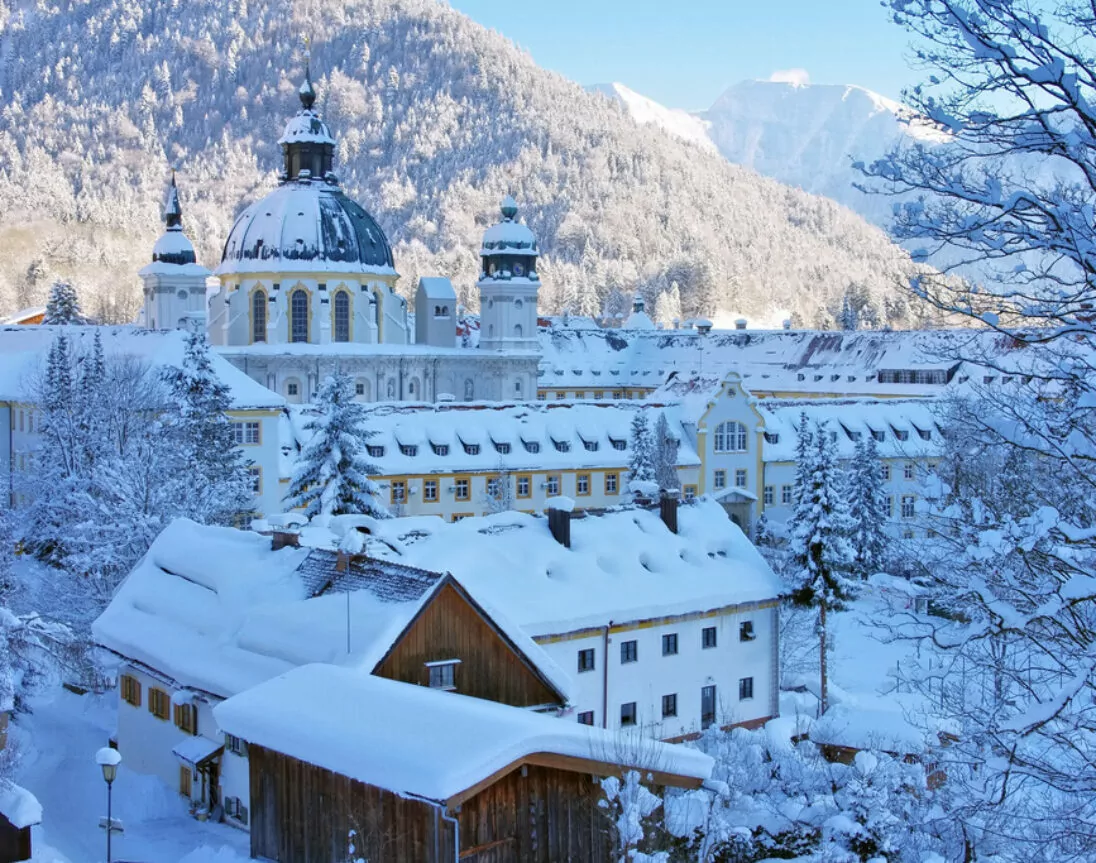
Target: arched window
x,y
258,316
730,437
517,331
342,316
412,386
517,304
298,316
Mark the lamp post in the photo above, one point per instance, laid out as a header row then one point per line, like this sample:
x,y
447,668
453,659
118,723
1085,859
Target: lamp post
x,y
109,759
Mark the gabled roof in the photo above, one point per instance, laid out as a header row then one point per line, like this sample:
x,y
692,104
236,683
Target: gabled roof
x,y
439,745
215,609
437,288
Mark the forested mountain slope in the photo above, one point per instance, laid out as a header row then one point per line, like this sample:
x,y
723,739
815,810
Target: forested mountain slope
x,y
436,118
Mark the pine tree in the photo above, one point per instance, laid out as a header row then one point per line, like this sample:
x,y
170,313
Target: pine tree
x,y
641,467
213,479
868,509
821,554
849,319
62,307
331,476
665,456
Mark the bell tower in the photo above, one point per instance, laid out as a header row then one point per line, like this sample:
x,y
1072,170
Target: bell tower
x,y
508,284
175,284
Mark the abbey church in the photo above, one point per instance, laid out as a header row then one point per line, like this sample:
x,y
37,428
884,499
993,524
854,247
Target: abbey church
x,y
307,281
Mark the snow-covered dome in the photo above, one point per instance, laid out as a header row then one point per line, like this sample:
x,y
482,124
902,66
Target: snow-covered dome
x,y
307,223
639,321
509,236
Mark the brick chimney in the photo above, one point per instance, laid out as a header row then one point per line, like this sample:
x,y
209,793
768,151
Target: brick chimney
x,y
281,538
342,562
667,509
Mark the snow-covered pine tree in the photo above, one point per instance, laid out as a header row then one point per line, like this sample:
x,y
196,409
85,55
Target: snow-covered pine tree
x,y
804,454
849,319
868,509
641,462
665,456
214,485
821,554
331,476
63,307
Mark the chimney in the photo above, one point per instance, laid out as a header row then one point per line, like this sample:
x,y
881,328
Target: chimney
x,y
281,538
787,324
740,324
342,562
559,519
667,508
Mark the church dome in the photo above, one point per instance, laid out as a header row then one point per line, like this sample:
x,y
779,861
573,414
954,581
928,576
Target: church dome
x,y
307,224
509,236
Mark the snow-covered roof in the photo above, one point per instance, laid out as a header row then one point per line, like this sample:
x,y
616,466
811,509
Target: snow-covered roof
x,y
623,565
639,320
215,609
306,127
306,226
23,352
173,243
539,435
509,236
892,724
23,315
437,288
415,740
903,428
19,806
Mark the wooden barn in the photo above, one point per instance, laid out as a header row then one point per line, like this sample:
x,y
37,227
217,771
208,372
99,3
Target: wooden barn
x,y
19,811
339,758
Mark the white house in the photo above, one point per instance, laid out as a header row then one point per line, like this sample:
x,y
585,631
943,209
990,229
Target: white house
x,y
631,626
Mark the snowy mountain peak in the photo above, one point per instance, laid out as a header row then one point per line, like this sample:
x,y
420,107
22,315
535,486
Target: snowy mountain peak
x,y
681,124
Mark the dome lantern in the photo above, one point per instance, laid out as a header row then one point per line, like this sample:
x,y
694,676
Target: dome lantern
x,y
173,247
307,143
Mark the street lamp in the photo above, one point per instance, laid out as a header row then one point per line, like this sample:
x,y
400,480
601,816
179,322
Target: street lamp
x,y
109,759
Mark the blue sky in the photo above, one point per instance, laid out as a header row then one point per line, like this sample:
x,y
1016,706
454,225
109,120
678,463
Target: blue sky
x,y
685,53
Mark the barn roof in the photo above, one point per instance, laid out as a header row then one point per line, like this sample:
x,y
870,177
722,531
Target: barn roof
x,y
215,609
415,740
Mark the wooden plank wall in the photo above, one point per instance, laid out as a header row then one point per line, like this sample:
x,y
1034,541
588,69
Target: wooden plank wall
x,y
539,815
450,628
304,814
14,842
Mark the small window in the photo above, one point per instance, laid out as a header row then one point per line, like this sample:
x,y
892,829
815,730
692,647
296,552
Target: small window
x,y
669,644
471,448
746,631
908,507
690,492
430,490
443,675
768,495
590,445
586,659
131,690
612,483
629,651
255,477
531,446
908,470
707,706
731,437
409,450
745,689
440,448
586,717
502,448
561,395
375,451
293,388
493,486
582,484
720,479
772,437
462,487
524,484
186,718
878,435
708,637
885,470
669,705
628,714
398,491
159,704
551,484
562,445
740,478
786,494
541,396
619,445
246,433
235,745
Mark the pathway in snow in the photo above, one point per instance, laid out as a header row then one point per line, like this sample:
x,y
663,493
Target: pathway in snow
x,y
61,771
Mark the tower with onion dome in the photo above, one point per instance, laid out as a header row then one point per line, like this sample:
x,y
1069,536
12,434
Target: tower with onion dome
x,y
306,265
174,283
508,284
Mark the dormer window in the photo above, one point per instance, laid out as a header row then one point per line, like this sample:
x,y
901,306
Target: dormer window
x,y
879,436
619,444
440,448
901,434
375,451
471,448
772,437
590,445
410,451
562,445
502,448
531,446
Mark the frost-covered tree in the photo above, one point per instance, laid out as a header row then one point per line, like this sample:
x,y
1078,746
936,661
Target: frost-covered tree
x,y
668,306
665,455
331,476
629,803
822,557
868,508
1013,553
500,491
213,483
641,458
63,307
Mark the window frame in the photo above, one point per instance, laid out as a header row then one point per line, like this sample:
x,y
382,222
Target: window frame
x,y
295,315
579,478
586,717
708,696
587,660
553,480
741,477
185,717
731,436
258,310
430,490
458,481
344,295
629,716
159,700
669,644
746,631
528,480
768,495
745,688
629,651
442,674
400,486
129,687
612,477
669,706
707,631
719,479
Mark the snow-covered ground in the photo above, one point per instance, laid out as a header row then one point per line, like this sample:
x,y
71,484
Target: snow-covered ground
x,y
61,738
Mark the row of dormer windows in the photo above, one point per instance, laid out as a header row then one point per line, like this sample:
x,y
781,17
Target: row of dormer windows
x,y
501,447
